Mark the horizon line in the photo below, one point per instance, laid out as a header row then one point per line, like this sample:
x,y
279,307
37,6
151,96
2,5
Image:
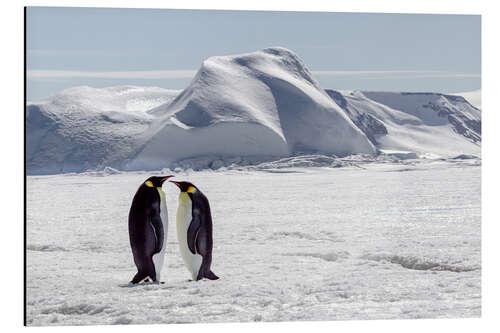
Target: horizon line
x,y
40,74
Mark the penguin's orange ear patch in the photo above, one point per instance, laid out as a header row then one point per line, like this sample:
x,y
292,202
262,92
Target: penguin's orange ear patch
x,y
149,183
191,189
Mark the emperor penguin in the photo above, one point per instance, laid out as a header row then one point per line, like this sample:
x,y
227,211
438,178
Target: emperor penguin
x,y
147,227
194,231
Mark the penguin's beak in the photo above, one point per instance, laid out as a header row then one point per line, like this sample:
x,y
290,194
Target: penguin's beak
x,y
165,178
176,183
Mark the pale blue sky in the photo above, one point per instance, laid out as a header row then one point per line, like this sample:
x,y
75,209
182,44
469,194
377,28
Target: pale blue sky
x,y
105,47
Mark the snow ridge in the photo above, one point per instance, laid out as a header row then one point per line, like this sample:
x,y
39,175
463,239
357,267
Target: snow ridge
x,y
418,123
264,103
418,263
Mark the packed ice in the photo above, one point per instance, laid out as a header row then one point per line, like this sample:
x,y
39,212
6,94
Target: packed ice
x,y
391,239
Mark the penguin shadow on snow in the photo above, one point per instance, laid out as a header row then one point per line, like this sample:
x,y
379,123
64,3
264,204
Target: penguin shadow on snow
x,y
142,284
180,284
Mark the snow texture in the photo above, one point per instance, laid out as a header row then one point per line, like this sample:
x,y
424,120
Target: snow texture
x,y
425,124
257,106
85,128
361,239
262,104
473,97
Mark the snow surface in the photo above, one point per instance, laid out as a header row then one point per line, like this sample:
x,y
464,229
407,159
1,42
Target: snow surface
x,y
263,103
85,128
473,97
370,240
421,123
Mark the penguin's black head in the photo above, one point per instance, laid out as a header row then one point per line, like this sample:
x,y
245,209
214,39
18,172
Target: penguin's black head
x,y
185,186
155,181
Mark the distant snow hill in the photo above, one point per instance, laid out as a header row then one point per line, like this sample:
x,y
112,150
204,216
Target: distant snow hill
x,y
424,123
473,97
260,105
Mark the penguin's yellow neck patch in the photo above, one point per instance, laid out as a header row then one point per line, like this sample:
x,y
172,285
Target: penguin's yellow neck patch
x,y
191,189
150,184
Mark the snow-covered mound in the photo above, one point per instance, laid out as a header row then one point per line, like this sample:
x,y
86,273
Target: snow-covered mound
x,y
421,123
473,97
264,103
86,128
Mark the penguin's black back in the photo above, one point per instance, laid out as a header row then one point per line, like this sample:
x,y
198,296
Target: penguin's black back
x,y
200,202
145,204
200,238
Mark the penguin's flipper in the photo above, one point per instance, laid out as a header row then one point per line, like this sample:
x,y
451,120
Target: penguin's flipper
x,y
157,225
194,228
202,247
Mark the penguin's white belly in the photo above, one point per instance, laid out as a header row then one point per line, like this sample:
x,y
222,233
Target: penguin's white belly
x,y
184,217
158,258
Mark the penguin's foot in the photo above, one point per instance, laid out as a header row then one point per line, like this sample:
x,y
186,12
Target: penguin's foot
x,y
211,276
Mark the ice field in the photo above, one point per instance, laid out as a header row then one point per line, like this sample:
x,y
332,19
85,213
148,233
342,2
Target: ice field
x,y
373,241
